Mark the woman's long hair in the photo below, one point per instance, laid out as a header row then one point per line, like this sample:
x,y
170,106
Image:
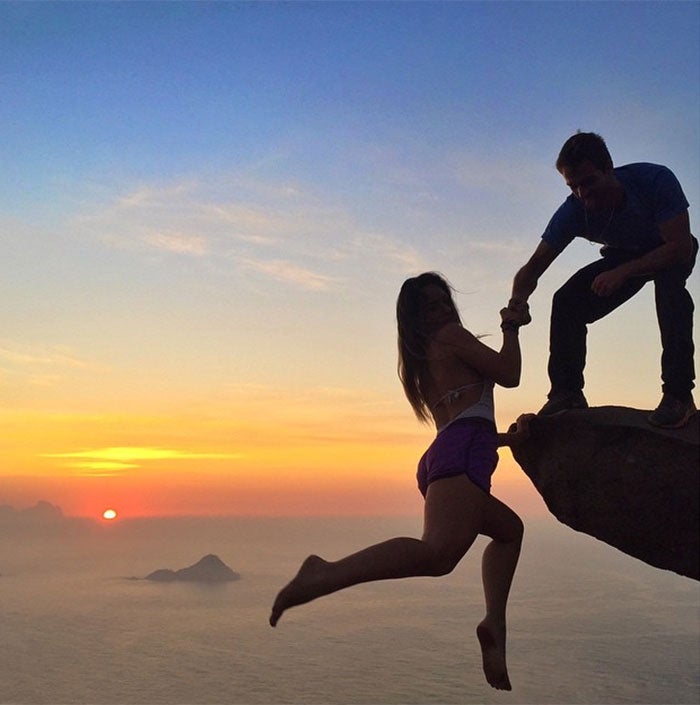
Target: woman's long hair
x,y
413,340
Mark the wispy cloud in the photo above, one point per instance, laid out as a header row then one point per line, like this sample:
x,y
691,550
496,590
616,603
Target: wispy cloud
x,y
245,222
40,366
133,453
278,230
179,243
116,459
59,356
148,195
389,251
194,217
291,274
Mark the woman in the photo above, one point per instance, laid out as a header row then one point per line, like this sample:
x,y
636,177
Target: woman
x,y
448,377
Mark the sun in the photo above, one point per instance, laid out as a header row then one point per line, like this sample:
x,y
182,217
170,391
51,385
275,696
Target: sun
x,y
109,514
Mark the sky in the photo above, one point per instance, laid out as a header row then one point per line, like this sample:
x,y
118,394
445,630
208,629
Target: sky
x,y
207,211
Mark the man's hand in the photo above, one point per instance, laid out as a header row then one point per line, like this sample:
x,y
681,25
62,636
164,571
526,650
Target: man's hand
x,y
676,248
608,283
520,310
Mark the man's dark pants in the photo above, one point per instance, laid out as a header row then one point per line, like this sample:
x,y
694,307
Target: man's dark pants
x,y
575,306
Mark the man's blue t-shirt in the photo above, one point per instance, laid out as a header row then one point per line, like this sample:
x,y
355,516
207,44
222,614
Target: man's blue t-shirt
x,y
653,195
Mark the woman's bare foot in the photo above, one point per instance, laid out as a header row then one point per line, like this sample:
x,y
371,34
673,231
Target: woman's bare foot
x,y
306,585
492,638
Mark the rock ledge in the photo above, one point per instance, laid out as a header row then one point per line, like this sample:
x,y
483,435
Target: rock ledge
x,y
606,472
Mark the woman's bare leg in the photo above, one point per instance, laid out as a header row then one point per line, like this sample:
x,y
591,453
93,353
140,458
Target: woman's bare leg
x,y
454,514
396,558
499,561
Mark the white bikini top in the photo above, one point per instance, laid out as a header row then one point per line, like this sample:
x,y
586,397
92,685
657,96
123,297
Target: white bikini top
x,y
483,408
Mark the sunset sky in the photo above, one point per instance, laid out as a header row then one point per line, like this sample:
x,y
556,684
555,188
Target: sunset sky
x,y
207,210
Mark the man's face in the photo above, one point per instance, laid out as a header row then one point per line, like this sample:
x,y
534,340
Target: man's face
x,y
597,189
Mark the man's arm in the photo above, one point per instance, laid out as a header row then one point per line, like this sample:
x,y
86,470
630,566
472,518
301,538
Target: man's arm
x,y
677,247
525,281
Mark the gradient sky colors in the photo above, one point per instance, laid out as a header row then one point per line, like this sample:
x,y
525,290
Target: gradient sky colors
x,y
207,209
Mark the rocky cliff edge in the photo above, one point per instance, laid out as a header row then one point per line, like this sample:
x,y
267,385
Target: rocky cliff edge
x,y
606,472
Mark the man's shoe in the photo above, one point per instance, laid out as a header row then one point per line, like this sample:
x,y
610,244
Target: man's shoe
x,y
564,401
672,413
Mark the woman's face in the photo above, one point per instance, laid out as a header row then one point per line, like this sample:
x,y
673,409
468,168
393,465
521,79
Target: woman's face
x,y
437,308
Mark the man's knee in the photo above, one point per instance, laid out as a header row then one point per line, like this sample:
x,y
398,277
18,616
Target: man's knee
x,y
566,303
577,287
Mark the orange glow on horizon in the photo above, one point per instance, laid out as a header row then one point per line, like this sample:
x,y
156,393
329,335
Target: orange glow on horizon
x,y
381,490
262,455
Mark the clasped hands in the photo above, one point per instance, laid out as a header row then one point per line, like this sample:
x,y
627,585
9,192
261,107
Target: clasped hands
x,y
517,312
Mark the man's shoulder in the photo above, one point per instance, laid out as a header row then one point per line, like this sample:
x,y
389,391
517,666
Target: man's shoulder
x,y
650,178
644,170
653,184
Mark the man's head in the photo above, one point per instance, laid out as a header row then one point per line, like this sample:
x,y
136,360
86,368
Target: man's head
x,y
587,168
585,147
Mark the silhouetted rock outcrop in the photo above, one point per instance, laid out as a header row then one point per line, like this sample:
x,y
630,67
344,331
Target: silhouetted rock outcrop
x,y
606,472
210,569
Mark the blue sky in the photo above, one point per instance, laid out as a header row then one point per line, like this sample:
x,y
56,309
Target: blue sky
x,y
201,201
146,90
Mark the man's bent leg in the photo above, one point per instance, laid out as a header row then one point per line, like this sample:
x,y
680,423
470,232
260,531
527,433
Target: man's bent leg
x,y
574,307
674,310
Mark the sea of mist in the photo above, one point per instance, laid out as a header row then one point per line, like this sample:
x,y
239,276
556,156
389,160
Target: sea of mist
x,y
587,624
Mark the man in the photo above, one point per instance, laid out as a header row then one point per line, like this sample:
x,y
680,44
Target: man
x,y
638,212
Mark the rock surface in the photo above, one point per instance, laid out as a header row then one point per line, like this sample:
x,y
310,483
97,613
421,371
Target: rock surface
x,y
606,472
210,569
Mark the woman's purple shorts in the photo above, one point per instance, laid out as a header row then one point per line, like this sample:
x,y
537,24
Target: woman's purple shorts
x,y
464,447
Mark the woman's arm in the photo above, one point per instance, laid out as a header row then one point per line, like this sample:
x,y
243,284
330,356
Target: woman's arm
x,y
518,432
502,366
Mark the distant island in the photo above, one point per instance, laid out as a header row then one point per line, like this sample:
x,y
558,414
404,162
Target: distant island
x,y
41,513
41,519
210,569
